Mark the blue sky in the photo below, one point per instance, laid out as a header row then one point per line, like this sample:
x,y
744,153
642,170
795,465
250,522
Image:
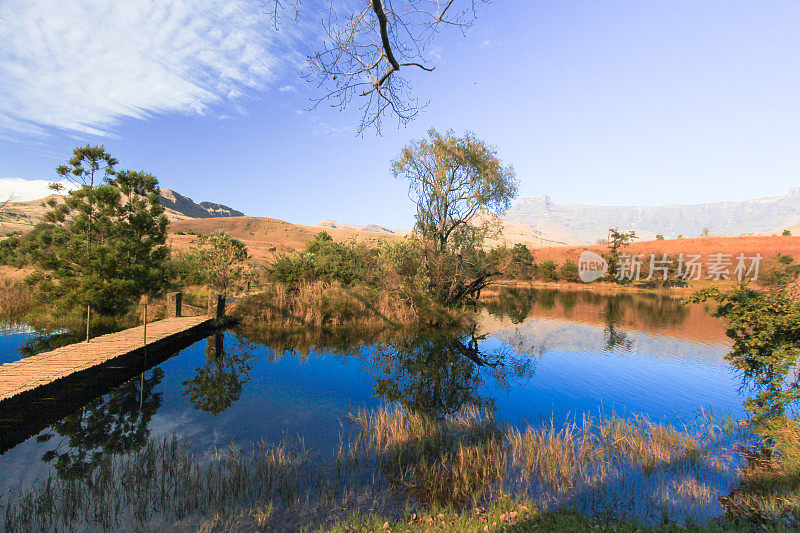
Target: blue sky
x,y
599,102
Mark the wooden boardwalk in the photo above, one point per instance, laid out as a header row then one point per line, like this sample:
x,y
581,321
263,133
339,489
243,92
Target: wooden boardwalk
x,y
23,377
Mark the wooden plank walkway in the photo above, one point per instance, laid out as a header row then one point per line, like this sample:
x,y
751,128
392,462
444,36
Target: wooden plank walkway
x,y
24,376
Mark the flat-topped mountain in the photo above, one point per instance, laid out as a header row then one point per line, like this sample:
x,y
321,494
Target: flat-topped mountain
x,y
585,224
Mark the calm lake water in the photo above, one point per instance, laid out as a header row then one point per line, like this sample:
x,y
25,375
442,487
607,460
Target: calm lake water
x,y
535,355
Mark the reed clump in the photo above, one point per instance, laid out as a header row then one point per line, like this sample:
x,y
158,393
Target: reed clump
x,y
16,299
325,304
454,461
396,462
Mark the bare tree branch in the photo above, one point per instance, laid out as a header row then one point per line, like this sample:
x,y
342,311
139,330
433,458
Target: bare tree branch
x,y
368,47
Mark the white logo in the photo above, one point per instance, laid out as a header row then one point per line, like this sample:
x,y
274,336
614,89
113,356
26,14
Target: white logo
x,y
591,266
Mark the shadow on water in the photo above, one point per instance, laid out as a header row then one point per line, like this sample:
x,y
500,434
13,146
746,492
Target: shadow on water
x,y
439,373
115,423
24,416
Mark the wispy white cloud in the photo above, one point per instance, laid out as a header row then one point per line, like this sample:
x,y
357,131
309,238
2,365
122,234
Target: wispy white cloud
x,y
22,190
325,128
83,66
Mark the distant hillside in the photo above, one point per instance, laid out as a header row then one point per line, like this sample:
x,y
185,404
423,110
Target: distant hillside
x,y
184,207
512,232
21,216
369,227
585,224
266,238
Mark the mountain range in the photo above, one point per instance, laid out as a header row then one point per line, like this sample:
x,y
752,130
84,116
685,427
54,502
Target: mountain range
x,y
586,224
180,207
21,216
536,222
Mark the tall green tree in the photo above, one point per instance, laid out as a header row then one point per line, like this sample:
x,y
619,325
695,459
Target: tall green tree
x,y
89,167
222,259
522,266
104,244
617,242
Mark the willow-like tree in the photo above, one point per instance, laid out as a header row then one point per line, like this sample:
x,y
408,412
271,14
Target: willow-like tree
x,y
451,179
103,245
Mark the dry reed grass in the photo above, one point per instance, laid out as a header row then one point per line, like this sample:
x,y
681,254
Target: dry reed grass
x,y
324,305
397,462
16,300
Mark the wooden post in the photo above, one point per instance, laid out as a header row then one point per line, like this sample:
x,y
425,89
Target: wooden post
x,y
174,300
144,301
216,307
88,319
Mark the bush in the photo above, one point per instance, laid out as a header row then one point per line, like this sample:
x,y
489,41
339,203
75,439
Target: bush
x,y
778,270
522,266
569,271
546,270
325,260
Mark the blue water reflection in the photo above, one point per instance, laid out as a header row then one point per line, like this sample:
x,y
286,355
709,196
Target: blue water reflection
x,y
526,367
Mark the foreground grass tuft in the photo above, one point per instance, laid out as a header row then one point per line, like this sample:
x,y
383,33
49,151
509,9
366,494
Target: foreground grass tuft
x,y
404,470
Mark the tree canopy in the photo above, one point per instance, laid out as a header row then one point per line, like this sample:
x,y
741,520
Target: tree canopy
x,y
103,244
221,258
451,179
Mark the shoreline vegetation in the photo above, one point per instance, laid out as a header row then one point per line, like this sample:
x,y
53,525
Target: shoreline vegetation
x,y
409,465
416,472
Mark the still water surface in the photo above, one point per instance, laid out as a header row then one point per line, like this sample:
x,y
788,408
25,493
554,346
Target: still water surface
x,y
535,355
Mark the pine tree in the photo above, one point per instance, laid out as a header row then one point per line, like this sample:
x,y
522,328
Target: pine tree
x,y
104,244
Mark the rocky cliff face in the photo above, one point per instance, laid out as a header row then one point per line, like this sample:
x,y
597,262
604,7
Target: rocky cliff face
x,y
184,207
585,224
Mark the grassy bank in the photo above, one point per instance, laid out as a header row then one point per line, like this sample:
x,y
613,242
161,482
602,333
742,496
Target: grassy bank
x,y
604,287
405,471
332,305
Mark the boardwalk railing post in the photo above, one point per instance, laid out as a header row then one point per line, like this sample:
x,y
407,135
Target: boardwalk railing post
x,y
144,301
216,307
174,300
88,319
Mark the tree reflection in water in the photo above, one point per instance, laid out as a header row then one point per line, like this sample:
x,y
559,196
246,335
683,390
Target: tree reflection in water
x,y
116,423
613,315
437,372
220,382
614,311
